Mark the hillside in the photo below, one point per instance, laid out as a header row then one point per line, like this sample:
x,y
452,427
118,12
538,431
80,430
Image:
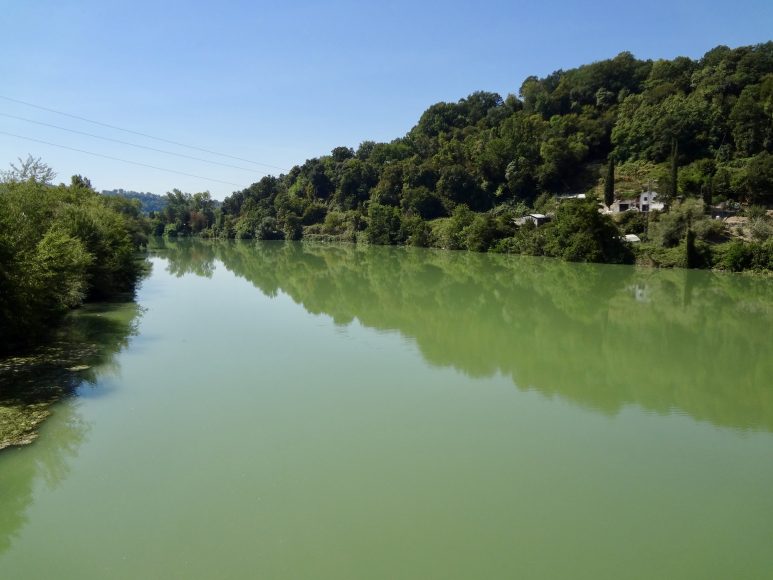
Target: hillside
x,y
685,128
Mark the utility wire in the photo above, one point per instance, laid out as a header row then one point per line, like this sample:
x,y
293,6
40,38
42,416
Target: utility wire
x,y
131,144
118,159
139,133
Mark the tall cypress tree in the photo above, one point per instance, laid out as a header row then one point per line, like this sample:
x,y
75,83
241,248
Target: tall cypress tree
x,y
609,184
674,169
707,193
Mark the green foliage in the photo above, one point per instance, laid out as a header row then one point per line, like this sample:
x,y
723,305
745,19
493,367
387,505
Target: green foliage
x,y
106,237
417,232
190,213
31,169
739,255
422,202
342,225
759,178
761,229
691,258
313,214
579,233
451,233
632,222
669,229
481,234
609,183
149,202
58,247
384,225
688,129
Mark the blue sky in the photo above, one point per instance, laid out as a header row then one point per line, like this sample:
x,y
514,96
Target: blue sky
x,y
281,82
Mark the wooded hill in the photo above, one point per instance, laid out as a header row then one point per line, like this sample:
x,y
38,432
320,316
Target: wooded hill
x,y
485,159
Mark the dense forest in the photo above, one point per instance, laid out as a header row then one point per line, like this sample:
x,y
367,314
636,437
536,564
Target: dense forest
x,y
59,247
699,132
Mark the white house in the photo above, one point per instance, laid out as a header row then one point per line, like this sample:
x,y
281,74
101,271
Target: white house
x,y
648,202
645,202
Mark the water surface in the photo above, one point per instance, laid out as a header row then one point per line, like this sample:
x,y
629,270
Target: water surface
x,y
290,410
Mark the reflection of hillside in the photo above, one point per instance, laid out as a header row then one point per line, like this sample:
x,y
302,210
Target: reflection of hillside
x,y
92,338
189,257
602,336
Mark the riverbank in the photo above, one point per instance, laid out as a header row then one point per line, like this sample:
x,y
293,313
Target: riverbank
x,y
32,382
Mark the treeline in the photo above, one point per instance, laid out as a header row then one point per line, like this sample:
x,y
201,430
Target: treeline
x,y
60,246
149,202
686,128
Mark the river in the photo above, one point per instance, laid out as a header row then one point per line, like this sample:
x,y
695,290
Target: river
x,y
292,410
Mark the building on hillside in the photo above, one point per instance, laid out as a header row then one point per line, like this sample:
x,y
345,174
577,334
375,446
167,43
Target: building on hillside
x,y
534,218
645,202
571,196
648,202
623,205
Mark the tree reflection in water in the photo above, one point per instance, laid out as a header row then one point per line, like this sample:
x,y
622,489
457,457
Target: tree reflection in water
x,y
602,336
84,349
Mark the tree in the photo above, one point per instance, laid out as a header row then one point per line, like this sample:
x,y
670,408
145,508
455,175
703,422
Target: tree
x,y
384,224
674,185
456,186
80,181
341,154
579,233
759,178
30,169
58,247
609,184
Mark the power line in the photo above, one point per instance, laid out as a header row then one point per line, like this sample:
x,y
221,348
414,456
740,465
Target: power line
x,y
118,159
139,133
131,144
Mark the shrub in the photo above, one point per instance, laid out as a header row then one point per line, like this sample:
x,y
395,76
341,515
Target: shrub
x,y
384,225
738,255
632,222
579,233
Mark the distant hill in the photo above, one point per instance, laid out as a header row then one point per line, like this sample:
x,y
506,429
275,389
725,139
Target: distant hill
x,y
150,201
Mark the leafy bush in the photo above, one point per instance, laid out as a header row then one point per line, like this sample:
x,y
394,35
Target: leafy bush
x,y
416,231
58,247
579,233
449,233
761,229
384,225
632,222
739,255
668,229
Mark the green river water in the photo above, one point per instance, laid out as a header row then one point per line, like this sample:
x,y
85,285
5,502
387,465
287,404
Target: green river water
x,y
286,410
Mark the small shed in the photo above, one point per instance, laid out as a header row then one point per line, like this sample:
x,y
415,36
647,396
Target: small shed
x,y
632,238
535,218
